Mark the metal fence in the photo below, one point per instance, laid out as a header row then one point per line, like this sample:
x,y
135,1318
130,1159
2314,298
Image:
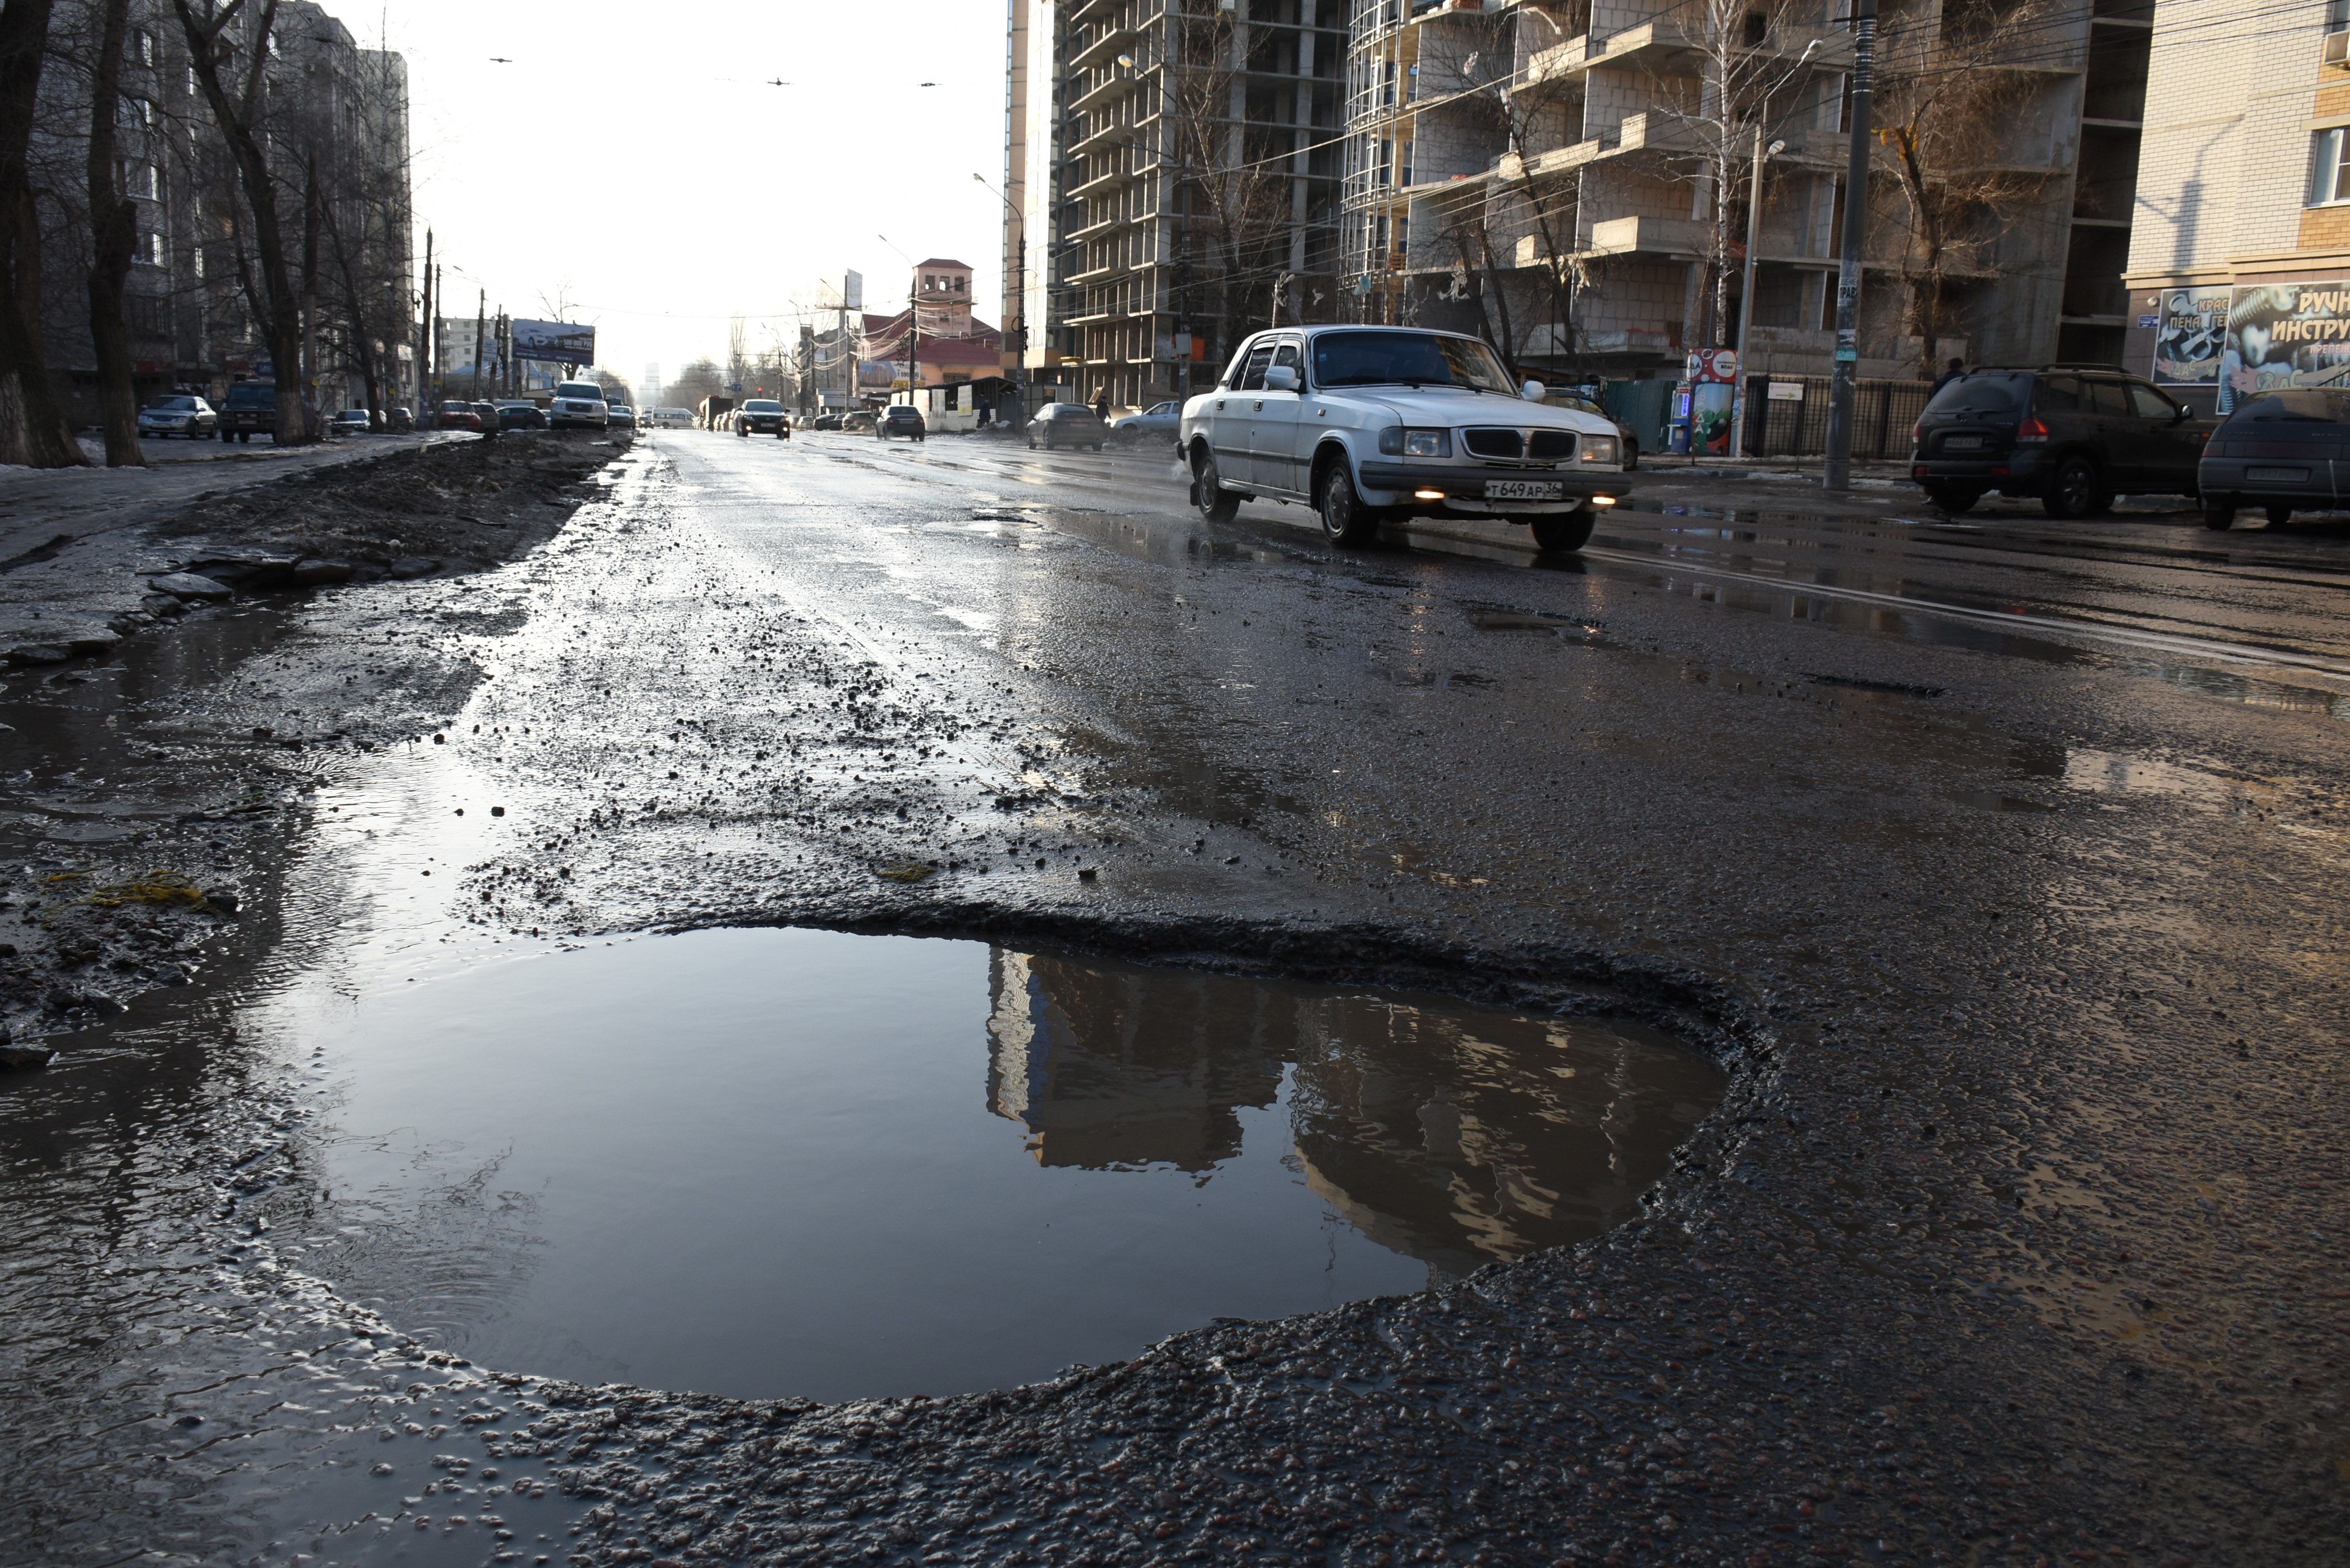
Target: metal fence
x,y
1883,412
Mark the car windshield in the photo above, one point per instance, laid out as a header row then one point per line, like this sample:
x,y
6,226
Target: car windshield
x,y
251,395
2298,405
904,411
586,390
763,406
456,409
172,403
1371,359
1984,392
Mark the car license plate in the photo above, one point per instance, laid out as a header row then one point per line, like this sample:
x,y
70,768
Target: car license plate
x,y
1962,443
2278,475
1524,490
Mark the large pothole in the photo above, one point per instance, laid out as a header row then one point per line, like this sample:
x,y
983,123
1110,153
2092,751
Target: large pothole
x,y
772,1162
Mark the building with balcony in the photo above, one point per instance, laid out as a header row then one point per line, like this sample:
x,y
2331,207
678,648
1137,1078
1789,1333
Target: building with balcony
x,y
1548,175
2239,277
1172,175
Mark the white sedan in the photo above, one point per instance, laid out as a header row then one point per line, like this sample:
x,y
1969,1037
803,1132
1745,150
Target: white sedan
x,y
1371,423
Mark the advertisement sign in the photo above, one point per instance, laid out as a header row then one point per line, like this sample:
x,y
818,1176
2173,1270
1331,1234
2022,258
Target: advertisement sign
x,y
852,291
1715,365
2286,335
2189,329
563,342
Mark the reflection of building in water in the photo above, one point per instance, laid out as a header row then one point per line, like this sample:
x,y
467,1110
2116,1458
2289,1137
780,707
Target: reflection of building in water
x,y
1112,1067
1447,1133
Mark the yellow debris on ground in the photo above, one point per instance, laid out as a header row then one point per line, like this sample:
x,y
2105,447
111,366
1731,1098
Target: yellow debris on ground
x,y
164,887
906,871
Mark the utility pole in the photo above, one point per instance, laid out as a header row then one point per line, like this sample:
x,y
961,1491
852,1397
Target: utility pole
x,y
480,311
1837,470
425,356
913,334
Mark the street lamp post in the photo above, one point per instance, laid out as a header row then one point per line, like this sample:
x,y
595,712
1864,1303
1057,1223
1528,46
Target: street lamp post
x,y
1746,287
1836,472
1020,293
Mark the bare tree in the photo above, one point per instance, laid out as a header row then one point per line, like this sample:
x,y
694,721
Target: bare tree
x,y
113,232
702,378
33,428
238,110
1237,200
1952,141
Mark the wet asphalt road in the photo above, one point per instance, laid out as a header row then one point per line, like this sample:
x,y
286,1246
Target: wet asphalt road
x,y
1999,862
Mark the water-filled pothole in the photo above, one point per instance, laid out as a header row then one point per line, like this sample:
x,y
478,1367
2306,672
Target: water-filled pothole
x,y
783,1162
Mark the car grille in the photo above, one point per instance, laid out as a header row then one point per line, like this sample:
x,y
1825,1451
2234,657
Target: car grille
x,y
1555,444
1495,443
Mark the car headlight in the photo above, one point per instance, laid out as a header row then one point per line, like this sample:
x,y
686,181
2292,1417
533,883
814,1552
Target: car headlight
x,y
1599,448
1398,441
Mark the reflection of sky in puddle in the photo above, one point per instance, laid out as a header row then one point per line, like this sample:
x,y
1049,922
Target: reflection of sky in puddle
x,y
770,1161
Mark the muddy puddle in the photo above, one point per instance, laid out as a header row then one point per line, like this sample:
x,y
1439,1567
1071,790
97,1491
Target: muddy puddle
x,y
797,1162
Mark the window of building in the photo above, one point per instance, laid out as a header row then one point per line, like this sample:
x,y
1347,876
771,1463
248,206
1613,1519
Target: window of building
x,y
2328,180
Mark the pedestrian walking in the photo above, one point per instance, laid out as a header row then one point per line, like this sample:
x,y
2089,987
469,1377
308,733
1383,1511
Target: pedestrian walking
x,y
1101,405
1957,368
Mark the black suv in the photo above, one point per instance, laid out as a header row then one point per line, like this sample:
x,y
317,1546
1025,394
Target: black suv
x,y
2073,435
2281,453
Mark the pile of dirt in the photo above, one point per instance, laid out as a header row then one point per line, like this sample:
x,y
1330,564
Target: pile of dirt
x,y
453,507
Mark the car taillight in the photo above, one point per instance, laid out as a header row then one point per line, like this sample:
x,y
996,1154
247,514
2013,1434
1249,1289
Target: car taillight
x,y
1918,433
2031,430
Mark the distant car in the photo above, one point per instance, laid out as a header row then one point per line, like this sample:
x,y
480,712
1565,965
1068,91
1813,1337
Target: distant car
x,y
857,420
485,416
828,421
1058,425
454,416
1585,405
351,422
399,419
620,415
1157,420
2277,452
579,404
520,416
179,414
762,415
2073,435
900,420
251,409
670,419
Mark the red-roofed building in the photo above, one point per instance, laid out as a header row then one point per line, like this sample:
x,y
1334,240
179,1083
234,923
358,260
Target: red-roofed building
x,y
954,346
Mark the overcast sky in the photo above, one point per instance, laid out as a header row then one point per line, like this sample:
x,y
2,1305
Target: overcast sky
x,y
633,159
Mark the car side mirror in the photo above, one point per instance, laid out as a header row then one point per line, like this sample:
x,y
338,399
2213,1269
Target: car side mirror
x,y
1531,391
1281,379
2179,415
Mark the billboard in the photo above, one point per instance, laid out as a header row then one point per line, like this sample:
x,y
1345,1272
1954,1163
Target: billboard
x,y
563,342
852,291
2253,338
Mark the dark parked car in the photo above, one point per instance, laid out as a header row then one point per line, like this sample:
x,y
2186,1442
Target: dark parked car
x,y
1624,432
521,417
487,419
1065,424
2282,452
251,408
900,420
762,415
177,414
2075,436
828,421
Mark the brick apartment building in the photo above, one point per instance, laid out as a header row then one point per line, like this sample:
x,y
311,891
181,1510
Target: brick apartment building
x,y
2240,257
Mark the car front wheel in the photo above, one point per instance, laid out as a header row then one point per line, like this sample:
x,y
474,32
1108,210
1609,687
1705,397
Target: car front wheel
x,y
1344,519
2075,491
1565,531
1207,493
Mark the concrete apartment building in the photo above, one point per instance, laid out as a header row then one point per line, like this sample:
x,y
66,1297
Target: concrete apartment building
x,y
1171,170
2240,255
1545,173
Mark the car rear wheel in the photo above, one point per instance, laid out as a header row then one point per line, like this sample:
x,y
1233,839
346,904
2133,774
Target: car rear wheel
x,y
1565,531
2077,491
1207,492
2279,516
2219,513
1344,519
1953,497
